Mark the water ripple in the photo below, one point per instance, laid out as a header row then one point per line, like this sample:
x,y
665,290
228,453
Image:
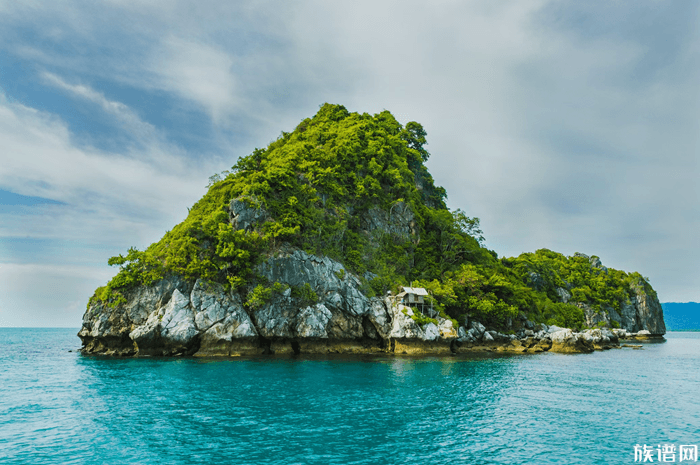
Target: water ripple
x,y
60,407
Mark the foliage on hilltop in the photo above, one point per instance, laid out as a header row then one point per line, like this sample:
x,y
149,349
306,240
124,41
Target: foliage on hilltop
x,y
588,282
316,185
533,283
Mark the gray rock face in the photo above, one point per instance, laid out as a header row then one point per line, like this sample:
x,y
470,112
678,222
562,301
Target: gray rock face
x,y
535,281
177,324
313,321
171,329
399,220
220,319
106,330
379,317
563,294
478,328
614,315
462,332
173,317
246,213
594,317
649,312
642,312
179,319
336,288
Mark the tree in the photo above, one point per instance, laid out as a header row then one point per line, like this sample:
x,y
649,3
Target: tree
x,y
414,134
469,225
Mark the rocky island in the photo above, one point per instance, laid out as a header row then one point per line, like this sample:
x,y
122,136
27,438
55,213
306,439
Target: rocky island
x,y
314,244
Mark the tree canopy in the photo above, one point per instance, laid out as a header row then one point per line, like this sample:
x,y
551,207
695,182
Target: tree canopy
x,y
321,187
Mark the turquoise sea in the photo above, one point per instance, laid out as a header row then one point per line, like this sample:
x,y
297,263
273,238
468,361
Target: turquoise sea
x,y
60,407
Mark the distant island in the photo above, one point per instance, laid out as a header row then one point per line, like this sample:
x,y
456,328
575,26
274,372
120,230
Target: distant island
x,y
682,316
335,239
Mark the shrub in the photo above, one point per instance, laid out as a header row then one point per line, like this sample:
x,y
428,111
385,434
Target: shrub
x,y
421,319
305,294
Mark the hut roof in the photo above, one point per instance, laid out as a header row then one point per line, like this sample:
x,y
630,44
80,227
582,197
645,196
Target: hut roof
x,y
415,290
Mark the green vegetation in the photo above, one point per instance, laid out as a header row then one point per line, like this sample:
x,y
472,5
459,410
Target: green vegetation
x,y
305,295
261,294
419,318
588,282
343,185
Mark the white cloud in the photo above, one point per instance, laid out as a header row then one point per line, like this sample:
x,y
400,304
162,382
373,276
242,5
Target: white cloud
x,y
555,122
138,128
109,197
111,201
40,159
59,293
198,72
551,137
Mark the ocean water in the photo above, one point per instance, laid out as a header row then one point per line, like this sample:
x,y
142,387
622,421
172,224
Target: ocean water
x,y
60,407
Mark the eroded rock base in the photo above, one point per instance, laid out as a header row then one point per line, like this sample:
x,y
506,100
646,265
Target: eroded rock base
x,y
174,317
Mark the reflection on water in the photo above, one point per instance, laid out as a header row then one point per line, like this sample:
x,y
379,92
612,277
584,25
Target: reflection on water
x,y
60,407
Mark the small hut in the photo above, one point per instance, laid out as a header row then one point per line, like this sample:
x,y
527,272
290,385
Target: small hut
x,y
414,295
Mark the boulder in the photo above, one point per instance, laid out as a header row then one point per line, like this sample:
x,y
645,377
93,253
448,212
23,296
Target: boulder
x,y
478,328
447,329
378,316
554,329
566,341
431,332
462,332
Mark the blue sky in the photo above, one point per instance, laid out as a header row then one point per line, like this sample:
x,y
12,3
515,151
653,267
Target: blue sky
x,y
567,125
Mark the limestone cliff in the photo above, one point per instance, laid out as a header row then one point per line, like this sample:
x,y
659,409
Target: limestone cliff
x,y
175,317
641,312
620,300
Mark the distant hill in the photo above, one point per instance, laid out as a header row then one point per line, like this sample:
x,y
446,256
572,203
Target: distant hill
x,y
682,316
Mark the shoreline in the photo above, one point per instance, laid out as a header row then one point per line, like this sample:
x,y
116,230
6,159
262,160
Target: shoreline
x,y
561,343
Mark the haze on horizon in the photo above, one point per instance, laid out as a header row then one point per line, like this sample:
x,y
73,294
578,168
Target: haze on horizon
x,y
566,125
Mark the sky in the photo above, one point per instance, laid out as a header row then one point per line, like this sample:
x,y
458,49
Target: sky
x,y
567,125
